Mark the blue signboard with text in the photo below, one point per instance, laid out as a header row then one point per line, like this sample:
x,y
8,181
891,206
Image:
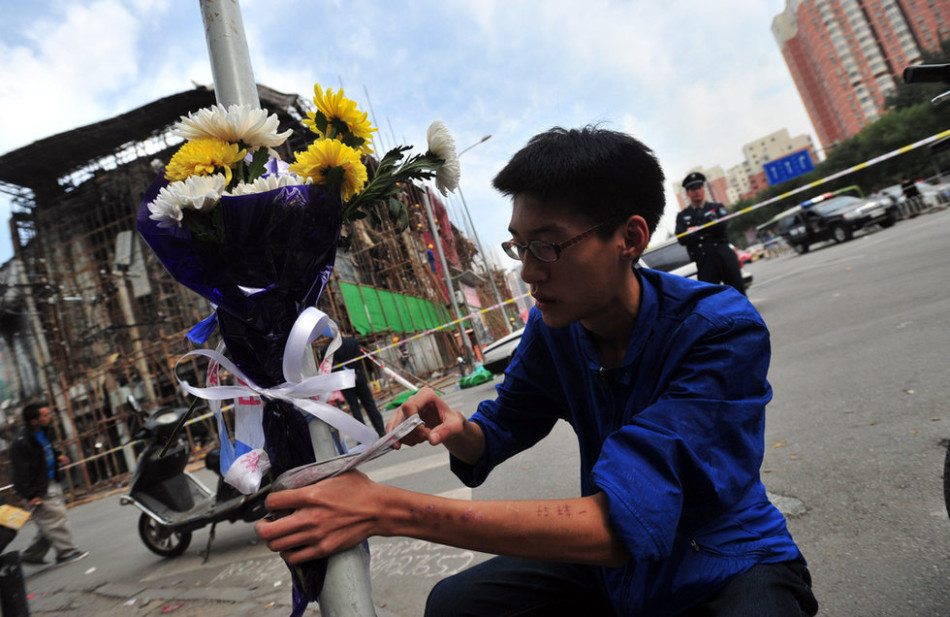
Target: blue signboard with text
x,y
788,167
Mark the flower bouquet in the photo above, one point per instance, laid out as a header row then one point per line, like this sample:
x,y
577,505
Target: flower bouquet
x,y
257,237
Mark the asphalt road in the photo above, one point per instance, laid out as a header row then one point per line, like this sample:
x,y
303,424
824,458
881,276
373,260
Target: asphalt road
x,y
861,413
855,438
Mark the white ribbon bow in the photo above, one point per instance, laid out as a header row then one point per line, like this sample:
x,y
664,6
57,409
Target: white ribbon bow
x,y
298,389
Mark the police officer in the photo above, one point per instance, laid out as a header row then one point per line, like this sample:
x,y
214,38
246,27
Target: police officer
x,y
716,262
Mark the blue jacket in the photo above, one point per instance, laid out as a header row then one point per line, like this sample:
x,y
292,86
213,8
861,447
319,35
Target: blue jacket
x,y
673,437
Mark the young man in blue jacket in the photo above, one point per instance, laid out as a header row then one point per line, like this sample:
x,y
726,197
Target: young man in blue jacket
x,y
662,378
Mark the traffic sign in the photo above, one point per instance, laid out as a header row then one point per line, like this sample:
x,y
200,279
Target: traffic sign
x,y
788,167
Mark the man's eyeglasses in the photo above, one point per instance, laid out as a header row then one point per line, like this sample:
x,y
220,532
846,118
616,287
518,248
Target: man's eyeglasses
x,y
548,252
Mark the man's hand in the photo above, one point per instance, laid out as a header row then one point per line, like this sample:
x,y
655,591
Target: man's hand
x,y
63,459
327,517
442,425
36,501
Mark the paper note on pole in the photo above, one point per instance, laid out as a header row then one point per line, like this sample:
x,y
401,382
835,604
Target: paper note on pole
x,y
314,472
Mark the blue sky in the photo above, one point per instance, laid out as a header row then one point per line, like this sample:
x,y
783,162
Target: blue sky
x,y
695,80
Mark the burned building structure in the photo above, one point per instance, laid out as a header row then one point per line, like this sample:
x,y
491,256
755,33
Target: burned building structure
x,y
88,316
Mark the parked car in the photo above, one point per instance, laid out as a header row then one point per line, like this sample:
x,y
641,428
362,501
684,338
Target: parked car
x,y
744,256
756,251
671,256
835,218
932,195
497,356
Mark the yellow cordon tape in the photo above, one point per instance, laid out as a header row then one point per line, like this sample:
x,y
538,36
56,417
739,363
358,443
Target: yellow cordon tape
x,y
434,330
834,176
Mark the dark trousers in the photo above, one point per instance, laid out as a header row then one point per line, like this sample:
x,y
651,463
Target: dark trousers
x,y
362,393
718,264
510,587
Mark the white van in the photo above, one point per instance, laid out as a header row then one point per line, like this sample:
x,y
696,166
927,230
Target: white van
x,y
671,256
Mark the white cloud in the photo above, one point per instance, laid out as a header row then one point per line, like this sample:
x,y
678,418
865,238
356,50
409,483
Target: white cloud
x,y
694,80
61,77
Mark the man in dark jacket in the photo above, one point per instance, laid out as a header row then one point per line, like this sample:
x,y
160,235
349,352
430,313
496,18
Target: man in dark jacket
x,y
716,262
361,392
36,476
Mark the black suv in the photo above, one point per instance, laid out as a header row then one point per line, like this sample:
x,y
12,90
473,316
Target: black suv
x,y
836,218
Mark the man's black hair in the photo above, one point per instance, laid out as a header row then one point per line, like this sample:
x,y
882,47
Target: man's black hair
x,y
32,412
607,175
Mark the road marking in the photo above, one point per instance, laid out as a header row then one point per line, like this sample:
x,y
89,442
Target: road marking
x,y
458,493
408,468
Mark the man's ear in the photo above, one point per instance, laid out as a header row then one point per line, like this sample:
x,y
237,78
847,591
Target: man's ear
x,y
636,237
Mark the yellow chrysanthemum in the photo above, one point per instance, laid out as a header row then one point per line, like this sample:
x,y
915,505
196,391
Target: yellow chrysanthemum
x,y
342,116
333,164
203,157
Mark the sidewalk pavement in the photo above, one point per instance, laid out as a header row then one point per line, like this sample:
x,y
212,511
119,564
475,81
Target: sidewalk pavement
x,y
402,572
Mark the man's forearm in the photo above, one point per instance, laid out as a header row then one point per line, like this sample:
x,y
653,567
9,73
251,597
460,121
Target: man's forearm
x,y
570,530
469,445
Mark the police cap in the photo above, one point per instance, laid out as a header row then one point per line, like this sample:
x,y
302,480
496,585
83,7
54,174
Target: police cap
x,y
693,179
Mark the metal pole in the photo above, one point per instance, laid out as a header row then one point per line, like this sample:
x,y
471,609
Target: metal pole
x,y
230,59
478,243
448,279
346,588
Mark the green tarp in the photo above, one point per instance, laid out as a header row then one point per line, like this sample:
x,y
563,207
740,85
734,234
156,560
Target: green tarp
x,y
374,310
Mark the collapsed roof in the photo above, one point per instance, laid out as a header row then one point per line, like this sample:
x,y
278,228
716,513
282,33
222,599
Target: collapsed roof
x,y
33,165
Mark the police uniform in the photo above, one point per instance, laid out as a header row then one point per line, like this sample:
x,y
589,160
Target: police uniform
x,y
716,262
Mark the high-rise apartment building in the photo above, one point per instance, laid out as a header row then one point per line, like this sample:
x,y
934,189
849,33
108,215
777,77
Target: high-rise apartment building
x,y
847,55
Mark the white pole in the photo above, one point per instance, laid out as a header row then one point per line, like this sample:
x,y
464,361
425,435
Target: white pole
x,y
437,239
346,588
230,59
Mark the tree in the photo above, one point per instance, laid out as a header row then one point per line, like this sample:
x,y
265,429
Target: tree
x,y
910,95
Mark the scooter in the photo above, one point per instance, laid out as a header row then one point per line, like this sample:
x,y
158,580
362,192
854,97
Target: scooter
x,y
174,503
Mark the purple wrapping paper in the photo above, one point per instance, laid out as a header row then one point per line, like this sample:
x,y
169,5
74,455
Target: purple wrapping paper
x,y
283,243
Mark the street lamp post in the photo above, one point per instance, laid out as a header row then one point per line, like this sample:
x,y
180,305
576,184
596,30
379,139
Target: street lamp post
x,y
437,240
491,278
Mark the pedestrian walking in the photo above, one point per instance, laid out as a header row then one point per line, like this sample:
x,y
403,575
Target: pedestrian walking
x,y
359,398
36,478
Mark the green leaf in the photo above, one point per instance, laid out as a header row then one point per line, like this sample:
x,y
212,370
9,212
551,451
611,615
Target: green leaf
x,y
256,169
320,121
403,220
395,208
353,141
334,177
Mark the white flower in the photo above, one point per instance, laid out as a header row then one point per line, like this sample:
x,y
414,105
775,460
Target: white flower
x,y
442,145
237,123
269,183
195,193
